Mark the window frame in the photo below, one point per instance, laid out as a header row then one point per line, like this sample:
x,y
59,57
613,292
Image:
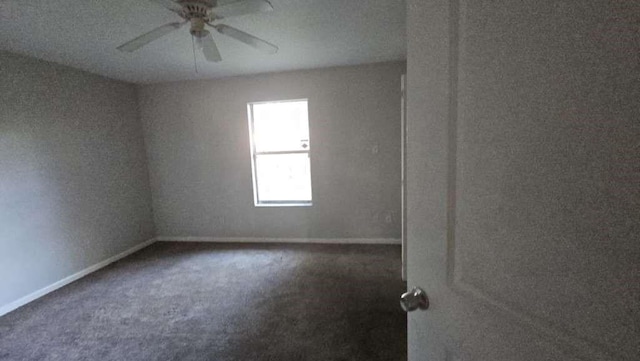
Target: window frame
x,y
255,154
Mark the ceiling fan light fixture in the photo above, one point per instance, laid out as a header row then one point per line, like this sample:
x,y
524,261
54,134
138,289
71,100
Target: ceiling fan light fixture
x,y
197,28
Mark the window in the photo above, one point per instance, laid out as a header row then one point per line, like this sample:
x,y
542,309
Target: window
x,y
280,153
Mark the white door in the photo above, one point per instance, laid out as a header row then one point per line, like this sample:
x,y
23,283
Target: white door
x,y
523,179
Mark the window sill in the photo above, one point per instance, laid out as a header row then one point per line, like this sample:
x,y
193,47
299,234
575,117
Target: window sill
x,y
267,205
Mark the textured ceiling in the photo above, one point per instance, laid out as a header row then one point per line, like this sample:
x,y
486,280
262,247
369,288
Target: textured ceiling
x,y
310,33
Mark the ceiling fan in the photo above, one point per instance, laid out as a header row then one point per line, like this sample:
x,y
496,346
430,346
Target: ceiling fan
x,y
207,12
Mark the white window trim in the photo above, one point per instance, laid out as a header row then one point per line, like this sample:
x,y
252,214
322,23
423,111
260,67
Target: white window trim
x,y
254,154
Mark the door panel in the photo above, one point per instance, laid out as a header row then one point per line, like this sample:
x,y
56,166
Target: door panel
x,y
524,179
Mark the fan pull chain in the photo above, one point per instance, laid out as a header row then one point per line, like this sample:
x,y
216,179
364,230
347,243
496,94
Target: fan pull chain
x,y
195,63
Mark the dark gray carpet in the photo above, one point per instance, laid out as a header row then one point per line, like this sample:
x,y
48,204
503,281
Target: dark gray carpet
x,y
188,301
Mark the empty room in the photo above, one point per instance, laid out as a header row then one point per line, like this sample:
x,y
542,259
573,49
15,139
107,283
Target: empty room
x,y
402,180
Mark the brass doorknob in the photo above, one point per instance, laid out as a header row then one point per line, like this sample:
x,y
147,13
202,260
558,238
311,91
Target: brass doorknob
x,y
414,299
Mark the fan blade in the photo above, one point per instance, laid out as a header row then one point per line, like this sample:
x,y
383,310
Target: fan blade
x,y
145,39
209,48
169,4
246,38
241,7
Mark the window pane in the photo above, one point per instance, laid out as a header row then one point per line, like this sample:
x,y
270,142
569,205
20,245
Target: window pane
x,y
280,126
283,177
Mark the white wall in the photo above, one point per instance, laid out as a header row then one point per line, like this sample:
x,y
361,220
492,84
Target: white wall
x,y
198,147
73,173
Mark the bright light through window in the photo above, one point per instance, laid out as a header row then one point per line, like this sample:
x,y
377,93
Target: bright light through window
x,y
280,149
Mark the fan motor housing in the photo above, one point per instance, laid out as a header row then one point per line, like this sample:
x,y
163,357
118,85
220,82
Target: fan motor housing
x,y
198,13
194,9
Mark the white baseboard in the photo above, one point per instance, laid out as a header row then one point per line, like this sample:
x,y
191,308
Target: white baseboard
x,y
65,281
280,240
